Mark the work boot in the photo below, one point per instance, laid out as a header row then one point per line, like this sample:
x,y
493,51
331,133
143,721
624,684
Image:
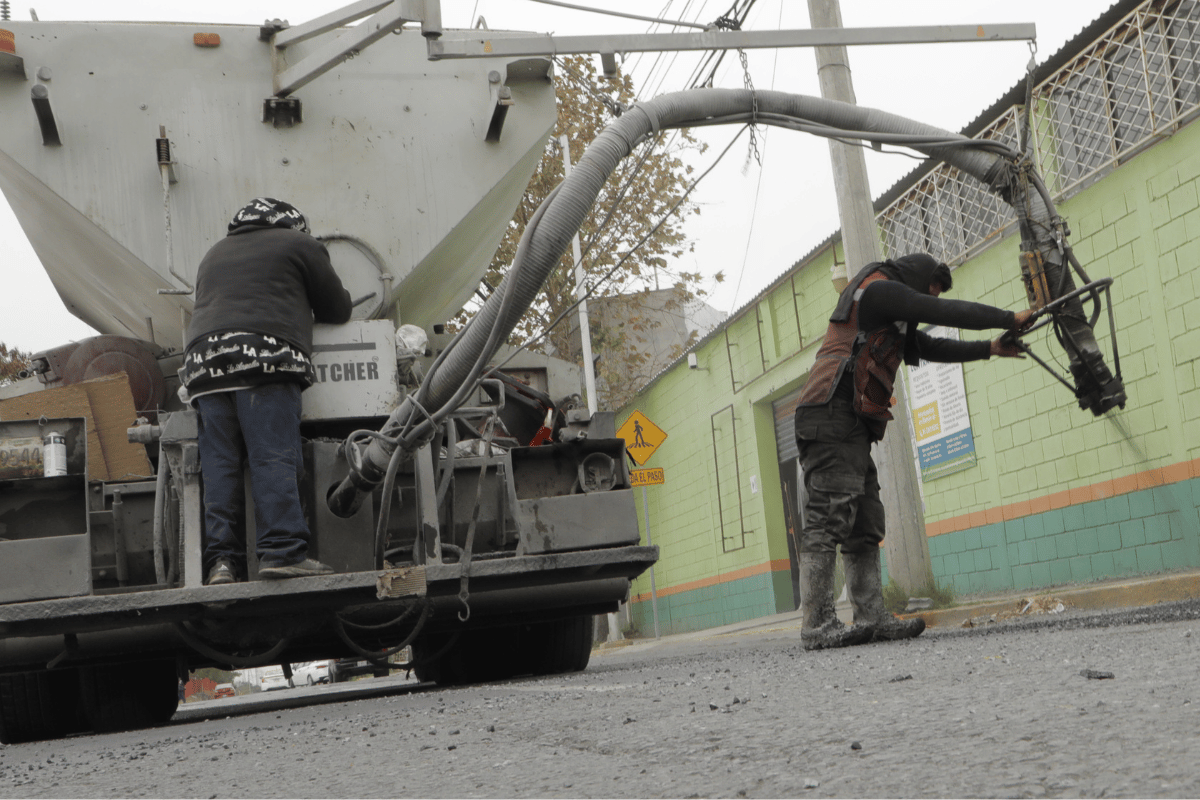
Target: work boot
x,y
822,628
304,569
865,583
222,572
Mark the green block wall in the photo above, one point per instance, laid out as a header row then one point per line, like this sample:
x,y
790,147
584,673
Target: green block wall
x,y
1146,531
713,606
1045,503
1032,440
708,537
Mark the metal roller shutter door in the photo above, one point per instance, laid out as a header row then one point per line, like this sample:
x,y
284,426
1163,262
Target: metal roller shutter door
x,y
785,425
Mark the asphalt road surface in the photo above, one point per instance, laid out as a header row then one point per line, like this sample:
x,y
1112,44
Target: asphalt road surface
x,y
1023,708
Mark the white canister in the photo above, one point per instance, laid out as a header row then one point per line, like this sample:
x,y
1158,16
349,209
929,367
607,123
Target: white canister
x,y
54,454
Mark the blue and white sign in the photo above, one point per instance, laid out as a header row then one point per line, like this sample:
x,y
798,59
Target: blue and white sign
x,y
941,423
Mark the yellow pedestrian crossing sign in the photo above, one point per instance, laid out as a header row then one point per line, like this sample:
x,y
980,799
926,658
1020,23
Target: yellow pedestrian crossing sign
x,y
642,437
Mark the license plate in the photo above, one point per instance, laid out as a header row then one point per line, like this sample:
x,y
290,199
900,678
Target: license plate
x,y
21,458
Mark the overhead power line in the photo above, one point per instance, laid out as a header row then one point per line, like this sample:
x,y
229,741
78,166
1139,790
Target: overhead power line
x,y
610,13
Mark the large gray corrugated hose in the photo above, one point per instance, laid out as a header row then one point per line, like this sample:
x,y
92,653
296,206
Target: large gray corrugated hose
x,y
567,212
560,216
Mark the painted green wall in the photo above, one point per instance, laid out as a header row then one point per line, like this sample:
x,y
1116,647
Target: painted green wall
x,y
1032,438
1057,495
719,421
1147,531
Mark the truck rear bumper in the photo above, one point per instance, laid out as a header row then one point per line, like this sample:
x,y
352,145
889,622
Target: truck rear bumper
x,y
109,625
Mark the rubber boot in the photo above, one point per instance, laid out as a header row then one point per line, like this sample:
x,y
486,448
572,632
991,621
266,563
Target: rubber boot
x,y
865,583
822,628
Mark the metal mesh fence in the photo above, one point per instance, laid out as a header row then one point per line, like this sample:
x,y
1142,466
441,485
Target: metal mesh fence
x,y
1138,81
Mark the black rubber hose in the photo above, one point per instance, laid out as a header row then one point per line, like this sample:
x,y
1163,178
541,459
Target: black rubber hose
x,y
208,651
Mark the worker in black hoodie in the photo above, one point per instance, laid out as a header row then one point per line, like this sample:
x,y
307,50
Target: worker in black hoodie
x,y
258,292
844,408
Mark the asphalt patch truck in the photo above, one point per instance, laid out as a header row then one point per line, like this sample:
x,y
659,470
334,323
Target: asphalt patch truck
x,y
125,148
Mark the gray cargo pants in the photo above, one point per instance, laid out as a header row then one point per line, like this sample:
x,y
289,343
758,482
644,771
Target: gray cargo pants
x,y
843,505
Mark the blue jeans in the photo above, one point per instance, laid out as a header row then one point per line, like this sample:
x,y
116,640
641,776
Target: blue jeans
x,y
261,425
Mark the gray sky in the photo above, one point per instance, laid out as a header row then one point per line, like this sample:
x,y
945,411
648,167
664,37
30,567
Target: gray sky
x,y
755,222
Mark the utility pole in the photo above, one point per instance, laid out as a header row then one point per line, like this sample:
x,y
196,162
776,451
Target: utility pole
x,y
585,330
907,550
589,366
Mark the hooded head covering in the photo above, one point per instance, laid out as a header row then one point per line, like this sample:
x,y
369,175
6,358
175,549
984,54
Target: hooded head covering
x,y
267,212
915,271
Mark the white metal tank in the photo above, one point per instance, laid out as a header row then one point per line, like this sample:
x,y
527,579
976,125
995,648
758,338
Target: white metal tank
x,y
391,161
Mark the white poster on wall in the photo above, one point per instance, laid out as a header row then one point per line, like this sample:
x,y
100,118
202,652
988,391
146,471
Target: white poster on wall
x,y
941,423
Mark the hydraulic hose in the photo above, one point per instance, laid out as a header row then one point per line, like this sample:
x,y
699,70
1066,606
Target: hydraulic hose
x,y
160,486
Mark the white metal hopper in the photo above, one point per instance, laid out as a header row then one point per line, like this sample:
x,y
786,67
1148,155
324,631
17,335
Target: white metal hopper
x,y
391,163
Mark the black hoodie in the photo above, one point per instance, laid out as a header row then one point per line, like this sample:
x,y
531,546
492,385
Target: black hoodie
x,y
905,298
268,280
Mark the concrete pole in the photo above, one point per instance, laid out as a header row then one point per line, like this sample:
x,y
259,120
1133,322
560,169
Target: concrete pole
x,y
585,329
589,366
907,550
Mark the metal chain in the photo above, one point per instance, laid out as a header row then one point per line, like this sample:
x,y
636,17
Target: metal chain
x,y
1025,142
749,84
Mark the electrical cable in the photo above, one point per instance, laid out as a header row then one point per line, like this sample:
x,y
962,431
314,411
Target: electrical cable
x,y
385,513
586,85
383,655
647,150
624,258
732,21
615,107
777,120
408,612
655,20
539,253
758,188
432,657
637,58
664,63
469,542
208,651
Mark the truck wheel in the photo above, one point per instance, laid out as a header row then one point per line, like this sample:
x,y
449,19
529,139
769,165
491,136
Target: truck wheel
x,y
122,697
477,656
39,705
562,645
427,669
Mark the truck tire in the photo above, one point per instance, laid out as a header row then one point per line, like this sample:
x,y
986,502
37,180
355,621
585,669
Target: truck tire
x,y
122,697
425,668
477,656
559,646
39,705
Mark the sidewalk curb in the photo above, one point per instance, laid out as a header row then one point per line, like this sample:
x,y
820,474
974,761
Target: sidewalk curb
x,y
614,645
1109,594
1125,594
